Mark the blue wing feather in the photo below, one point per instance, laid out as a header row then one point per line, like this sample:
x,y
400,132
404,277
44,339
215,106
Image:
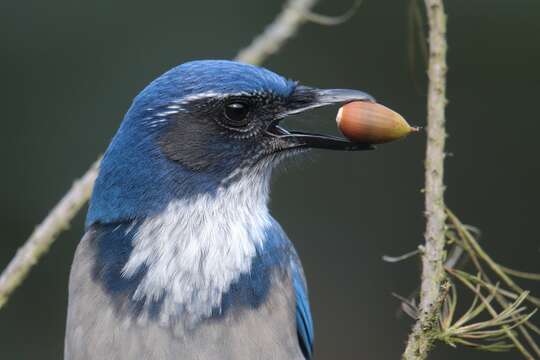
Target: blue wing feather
x,y
304,322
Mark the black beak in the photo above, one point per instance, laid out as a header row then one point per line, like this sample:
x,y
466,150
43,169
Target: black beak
x,y
306,98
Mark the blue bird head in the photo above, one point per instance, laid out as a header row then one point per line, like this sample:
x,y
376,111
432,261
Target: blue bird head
x,y
198,127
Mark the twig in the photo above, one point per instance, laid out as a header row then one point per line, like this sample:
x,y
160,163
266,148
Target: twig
x,y
44,235
395,259
333,20
433,275
278,32
284,26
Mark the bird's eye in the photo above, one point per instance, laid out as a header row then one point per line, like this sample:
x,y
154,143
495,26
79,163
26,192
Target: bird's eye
x,y
237,113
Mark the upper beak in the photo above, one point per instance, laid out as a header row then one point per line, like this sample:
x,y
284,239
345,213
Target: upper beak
x,y
306,98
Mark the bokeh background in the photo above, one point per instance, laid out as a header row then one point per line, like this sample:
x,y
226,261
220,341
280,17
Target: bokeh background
x,y
69,70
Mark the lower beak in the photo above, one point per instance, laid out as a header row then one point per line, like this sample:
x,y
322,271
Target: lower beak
x,y
305,98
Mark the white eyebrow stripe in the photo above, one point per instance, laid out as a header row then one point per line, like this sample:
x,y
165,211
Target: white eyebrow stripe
x,y
213,94
203,95
165,113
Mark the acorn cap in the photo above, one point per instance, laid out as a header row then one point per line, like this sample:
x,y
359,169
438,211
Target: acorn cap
x,y
369,122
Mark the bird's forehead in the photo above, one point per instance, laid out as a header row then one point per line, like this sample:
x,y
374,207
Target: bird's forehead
x,y
216,78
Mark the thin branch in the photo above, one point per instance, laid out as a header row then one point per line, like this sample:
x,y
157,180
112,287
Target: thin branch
x,y
433,275
395,259
44,235
329,20
278,32
284,26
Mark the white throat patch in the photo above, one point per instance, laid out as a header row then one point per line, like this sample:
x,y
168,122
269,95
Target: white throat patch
x,y
195,249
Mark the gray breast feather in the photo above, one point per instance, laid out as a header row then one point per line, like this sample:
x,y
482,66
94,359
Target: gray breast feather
x,y
97,329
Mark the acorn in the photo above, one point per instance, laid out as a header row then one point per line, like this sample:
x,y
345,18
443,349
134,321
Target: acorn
x,y
369,122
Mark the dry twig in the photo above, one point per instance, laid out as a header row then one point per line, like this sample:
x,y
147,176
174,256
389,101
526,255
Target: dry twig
x,y
46,232
433,275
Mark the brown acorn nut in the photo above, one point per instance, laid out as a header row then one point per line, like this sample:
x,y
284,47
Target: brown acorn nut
x,y
368,122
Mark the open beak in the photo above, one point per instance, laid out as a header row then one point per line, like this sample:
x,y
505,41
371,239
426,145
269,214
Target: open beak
x,y
306,98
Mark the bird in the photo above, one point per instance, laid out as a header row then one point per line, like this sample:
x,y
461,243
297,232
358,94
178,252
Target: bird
x,y
181,258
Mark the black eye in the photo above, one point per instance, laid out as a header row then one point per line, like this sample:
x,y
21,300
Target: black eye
x,y
237,113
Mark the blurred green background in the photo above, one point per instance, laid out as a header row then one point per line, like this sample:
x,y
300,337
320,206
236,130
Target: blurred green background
x,y
69,70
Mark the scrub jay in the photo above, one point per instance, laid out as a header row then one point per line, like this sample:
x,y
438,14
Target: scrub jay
x,y
181,258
